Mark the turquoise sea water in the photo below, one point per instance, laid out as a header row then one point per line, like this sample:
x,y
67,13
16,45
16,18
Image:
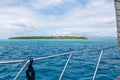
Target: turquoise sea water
x,y
80,67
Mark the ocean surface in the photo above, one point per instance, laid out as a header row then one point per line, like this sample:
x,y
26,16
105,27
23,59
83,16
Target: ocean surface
x,y
80,67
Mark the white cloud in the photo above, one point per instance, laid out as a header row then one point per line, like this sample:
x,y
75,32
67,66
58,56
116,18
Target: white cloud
x,y
95,18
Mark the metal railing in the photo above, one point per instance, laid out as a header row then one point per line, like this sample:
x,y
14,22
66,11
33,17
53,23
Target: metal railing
x,y
57,55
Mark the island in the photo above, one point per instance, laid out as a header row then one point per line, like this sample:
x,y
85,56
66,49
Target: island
x,y
49,37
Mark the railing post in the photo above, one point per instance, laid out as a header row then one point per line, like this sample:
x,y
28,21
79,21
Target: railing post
x,y
21,70
65,66
99,59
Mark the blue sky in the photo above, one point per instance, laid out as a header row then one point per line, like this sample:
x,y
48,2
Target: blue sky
x,y
57,17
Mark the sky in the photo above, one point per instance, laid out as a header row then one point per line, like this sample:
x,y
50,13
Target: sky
x,y
57,18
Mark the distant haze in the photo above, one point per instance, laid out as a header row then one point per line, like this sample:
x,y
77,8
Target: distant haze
x,y
89,18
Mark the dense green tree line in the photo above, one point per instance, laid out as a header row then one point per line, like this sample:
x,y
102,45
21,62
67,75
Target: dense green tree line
x,y
49,37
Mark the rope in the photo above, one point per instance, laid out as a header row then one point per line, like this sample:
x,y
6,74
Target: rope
x,y
52,56
65,66
21,70
99,59
30,73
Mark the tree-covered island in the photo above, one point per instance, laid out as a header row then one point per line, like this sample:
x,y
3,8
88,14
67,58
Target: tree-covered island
x,y
50,37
